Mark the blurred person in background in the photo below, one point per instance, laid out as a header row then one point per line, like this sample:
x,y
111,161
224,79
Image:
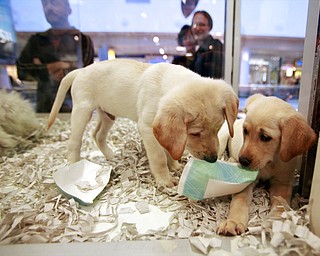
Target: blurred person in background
x,y
186,39
209,60
48,56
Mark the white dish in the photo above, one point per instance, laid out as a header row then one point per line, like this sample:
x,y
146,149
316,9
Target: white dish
x,y
82,180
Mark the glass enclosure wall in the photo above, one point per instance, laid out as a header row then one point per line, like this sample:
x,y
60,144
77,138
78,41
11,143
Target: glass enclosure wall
x,y
272,35
144,30
132,28
272,41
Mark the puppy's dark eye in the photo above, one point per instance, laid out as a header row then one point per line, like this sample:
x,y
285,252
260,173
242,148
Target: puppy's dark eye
x,y
196,134
245,131
265,138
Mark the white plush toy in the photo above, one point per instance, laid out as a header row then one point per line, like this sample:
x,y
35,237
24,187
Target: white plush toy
x,y
17,120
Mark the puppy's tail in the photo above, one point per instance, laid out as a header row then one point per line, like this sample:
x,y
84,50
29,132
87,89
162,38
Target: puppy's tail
x,y
64,86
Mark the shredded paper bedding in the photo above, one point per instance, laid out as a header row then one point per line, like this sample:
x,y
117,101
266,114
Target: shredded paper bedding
x,y
130,207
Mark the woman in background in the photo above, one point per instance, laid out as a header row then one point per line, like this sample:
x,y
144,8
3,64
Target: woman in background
x,y
186,39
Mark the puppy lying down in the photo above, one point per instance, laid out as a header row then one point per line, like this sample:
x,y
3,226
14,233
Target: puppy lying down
x,y
269,139
17,120
173,107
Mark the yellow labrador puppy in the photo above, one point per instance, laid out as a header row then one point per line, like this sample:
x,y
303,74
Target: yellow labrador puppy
x,y
268,139
174,108
17,120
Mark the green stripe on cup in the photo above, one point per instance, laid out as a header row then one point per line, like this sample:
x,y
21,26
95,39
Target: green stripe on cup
x,y
195,185
201,171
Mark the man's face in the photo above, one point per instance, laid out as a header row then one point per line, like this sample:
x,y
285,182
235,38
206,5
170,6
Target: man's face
x,y
200,27
56,12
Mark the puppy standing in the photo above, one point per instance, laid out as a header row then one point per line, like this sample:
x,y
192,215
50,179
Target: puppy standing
x,y
174,108
274,133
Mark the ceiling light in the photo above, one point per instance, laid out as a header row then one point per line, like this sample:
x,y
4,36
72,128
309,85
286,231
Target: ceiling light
x,y
144,15
181,49
156,39
161,51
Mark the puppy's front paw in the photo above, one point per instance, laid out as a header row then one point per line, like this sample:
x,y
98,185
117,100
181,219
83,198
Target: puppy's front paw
x,y
108,153
167,181
174,166
231,227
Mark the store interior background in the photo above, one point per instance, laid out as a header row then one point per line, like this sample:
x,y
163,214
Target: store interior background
x,y
272,40
272,35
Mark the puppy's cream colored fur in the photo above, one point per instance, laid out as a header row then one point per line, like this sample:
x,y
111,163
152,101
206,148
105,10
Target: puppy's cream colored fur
x,y
17,119
268,139
174,108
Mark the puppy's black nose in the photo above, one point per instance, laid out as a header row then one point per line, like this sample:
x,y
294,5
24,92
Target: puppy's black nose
x,y
244,161
211,159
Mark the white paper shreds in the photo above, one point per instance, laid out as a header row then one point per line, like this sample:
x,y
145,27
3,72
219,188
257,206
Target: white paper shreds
x,y
131,206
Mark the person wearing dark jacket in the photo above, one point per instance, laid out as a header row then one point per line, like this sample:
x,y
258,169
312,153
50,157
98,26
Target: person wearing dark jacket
x,y
48,56
209,60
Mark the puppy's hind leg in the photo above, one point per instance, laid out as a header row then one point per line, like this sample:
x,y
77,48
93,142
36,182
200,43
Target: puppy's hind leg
x,y
80,117
105,122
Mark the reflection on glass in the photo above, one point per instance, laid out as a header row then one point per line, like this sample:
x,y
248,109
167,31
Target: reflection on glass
x,y
272,35
48,56
272,48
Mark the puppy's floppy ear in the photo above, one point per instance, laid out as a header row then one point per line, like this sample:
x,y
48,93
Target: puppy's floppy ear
x,y
230,112
251,99
170,129
296,137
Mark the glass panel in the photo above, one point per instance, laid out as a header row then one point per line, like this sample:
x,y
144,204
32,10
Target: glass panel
x,y
144,30
272,40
